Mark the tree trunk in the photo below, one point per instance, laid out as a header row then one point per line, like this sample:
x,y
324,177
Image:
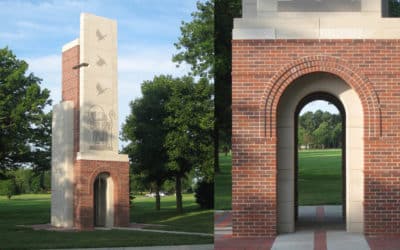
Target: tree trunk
x,y
178,188
158,199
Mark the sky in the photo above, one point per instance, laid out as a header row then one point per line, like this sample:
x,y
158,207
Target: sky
x,y
36,30
319,105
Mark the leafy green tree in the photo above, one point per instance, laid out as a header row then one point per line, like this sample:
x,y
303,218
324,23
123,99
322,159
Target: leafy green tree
x,y
321,129
23,178
8,188
189,141
196,43
205,44
24,126
145,131
322,134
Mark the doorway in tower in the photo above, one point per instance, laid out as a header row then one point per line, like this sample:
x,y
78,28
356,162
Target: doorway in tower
x,y
103,201
320,179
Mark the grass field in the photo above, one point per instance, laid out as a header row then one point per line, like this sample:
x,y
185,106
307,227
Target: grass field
x,y
223,184
319,179
35,209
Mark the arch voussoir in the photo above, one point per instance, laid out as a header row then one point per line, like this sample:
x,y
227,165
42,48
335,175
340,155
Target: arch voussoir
x,y
285,76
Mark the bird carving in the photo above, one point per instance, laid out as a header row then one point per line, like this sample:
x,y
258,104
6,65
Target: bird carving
x,y
100,36
100,89
100,62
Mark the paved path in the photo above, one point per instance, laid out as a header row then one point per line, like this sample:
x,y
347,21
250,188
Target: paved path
x,y
318,228
185,247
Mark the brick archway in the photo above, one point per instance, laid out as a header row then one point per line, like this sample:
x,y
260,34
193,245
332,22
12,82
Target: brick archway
x,y
262,70
285,76
85,173
294,94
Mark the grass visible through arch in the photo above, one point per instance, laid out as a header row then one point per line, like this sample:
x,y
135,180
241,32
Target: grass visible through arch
x,y
320,180
35,209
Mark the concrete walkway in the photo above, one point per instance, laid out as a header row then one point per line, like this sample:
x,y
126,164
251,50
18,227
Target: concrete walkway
x,y
183,247
317,228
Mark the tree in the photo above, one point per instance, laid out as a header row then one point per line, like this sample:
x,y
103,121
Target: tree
x,y
320,129
24,126
8,188
225,11
145,130
189,141
322,134
196,47
196,43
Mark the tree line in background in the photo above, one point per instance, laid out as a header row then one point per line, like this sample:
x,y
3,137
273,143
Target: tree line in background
x,y
319,130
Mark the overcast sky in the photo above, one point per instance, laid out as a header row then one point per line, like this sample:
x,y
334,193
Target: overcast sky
x,y
36,30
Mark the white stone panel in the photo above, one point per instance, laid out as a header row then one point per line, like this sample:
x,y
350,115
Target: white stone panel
x,y
249,8
286,193
371,5
62,165
261,33
286,212
99,90
261,15
356,189
98,84
355,158
285,158
267,5
286,139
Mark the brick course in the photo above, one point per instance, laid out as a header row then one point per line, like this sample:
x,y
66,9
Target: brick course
x,y
261,71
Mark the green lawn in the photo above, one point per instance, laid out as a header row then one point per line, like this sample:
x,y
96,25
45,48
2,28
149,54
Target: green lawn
x,y
319,179
194,219
35,209
223,184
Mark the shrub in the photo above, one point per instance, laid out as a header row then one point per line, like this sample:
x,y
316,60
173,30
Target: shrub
x,y
204,194
8,188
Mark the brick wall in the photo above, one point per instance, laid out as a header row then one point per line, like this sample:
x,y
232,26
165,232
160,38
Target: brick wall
x,y
261,70
85,173
70,87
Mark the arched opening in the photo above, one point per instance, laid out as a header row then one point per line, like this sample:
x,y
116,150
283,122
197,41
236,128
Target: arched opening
x,y
336,90
320,173
103,201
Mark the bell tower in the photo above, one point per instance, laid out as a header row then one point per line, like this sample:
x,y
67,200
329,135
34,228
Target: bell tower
x,y
90,179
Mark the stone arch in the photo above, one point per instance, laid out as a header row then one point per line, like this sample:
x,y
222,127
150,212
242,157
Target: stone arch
x,y
285,76
303,86
112,189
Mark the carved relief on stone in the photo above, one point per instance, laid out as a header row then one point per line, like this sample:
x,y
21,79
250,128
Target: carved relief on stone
x,y
100,61
100,90
100,125
100,36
